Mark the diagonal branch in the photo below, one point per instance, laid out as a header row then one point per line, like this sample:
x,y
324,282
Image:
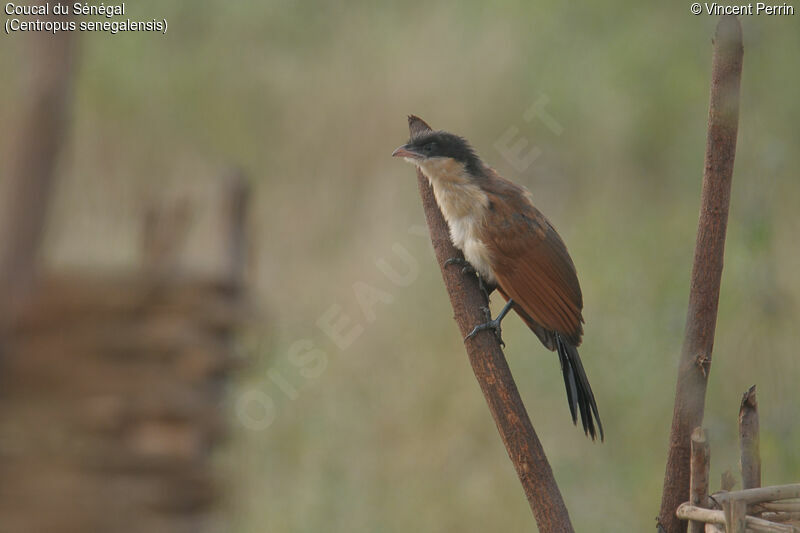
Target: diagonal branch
x,y
701,319
492,372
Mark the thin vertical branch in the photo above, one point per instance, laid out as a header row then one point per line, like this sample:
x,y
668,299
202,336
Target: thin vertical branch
x,y
493,374
165,229
701,318
748,440
701,460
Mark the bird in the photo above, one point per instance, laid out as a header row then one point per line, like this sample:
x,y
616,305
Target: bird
x,y
512,248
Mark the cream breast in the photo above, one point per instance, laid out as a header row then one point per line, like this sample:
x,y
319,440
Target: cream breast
x,y
463,205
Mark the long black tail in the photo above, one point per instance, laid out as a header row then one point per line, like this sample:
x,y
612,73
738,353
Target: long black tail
x,y
578,389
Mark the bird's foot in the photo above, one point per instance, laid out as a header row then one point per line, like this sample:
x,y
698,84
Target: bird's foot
x,y
489,324
485,289
466,267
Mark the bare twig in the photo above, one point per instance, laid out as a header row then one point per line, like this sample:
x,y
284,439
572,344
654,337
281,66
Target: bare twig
x,y
707,271
493,374
701,459
748,440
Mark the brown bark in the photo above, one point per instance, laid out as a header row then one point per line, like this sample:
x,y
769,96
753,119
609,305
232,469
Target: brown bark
x,y
493,374
748,440
701,318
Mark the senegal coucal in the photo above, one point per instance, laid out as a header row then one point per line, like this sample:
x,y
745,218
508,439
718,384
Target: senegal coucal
x,y
513,248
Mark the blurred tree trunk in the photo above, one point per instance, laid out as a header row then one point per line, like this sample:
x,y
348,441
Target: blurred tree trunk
x,y
37,142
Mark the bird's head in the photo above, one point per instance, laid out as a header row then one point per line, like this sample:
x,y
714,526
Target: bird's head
x,y
433,151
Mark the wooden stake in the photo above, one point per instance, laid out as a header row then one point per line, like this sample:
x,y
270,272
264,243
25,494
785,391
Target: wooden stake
x,y
748,440
701,459
735,513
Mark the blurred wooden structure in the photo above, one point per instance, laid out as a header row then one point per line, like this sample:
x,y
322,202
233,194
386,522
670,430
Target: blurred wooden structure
x,y
773,509
111,386
111,391
110,405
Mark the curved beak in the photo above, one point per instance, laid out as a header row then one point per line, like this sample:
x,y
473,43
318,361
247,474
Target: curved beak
x,y
406,152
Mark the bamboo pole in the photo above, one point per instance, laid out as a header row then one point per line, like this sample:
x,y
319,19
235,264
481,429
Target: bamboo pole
x,y
492,372
701,318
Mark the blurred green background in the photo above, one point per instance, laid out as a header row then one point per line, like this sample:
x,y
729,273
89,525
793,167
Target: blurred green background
x,y
390,432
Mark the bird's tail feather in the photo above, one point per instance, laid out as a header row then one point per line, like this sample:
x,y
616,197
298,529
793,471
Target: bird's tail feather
x,y
579,392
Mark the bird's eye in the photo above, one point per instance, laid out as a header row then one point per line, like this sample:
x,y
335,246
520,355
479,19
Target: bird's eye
x,y
428,148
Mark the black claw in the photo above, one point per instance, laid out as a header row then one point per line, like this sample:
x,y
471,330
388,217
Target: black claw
x,y
466,267
491,324
455,261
